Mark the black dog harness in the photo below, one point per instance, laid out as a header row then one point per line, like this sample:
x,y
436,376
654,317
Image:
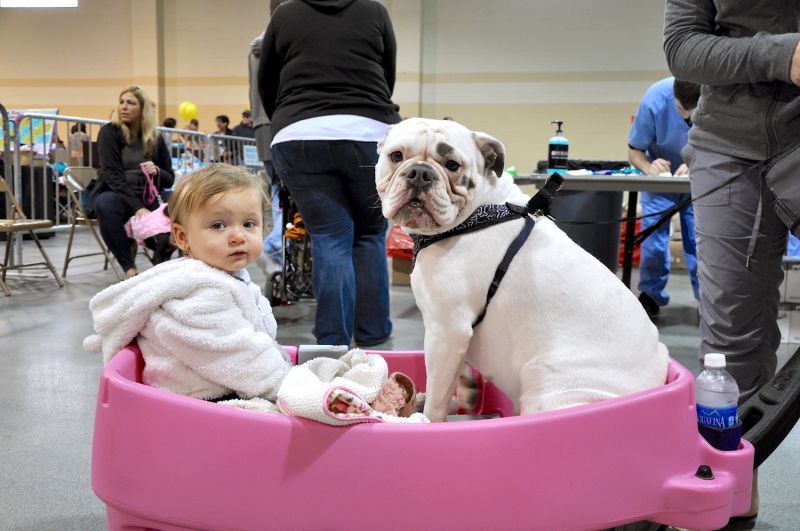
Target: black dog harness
x,y
488,215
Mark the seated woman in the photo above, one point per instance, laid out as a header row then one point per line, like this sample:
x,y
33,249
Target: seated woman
x,y
128,147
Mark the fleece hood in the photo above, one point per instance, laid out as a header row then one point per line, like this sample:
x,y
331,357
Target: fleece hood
x,y
255,45
329,6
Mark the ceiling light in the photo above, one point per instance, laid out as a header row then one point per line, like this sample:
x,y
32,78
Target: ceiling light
x,y
38,3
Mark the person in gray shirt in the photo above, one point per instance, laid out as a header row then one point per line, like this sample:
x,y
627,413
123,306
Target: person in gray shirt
x,y
746,55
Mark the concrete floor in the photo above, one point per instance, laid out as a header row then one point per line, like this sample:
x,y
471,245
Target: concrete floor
x,y
48,386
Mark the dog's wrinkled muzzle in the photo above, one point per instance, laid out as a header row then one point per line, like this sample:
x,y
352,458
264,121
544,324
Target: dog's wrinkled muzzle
x,y
420,178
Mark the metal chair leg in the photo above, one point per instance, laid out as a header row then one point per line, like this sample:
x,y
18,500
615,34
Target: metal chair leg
x,y
49,264
69,249
109,260
9,243
9,237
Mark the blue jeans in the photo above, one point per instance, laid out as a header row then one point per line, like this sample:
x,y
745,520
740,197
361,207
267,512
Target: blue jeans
x,y
333,184
112,214
273,241
655,261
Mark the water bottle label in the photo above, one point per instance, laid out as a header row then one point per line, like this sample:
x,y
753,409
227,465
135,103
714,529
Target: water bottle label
x,y
718,417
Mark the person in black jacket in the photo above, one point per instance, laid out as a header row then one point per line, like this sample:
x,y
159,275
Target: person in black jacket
x,y
326,77
127,146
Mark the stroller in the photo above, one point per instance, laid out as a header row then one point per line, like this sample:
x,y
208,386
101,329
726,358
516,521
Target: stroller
x,y
293,281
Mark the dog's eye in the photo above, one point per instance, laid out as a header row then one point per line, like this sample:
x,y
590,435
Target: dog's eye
x,y
452,165
396,157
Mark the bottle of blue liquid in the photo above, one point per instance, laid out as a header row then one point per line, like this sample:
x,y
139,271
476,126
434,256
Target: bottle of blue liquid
x,y
557,151
718,404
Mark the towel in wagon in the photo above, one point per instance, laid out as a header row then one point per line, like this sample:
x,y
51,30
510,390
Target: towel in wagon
x,y
339,391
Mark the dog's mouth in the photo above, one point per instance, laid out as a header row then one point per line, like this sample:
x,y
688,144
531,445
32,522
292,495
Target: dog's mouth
x,y
415,215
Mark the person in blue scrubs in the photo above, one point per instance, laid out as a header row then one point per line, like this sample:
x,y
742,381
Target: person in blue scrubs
x,y
658,134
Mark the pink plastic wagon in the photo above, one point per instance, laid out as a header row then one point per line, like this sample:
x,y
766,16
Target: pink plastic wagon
x,y
168,462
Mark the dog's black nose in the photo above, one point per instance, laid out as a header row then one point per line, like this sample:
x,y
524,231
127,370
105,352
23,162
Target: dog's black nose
x,y
420,177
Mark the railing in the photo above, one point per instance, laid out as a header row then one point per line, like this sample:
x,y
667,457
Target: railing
x,y
39,157
35,157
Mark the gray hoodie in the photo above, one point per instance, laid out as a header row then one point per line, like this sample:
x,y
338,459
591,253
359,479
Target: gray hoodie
x,y
740,51
259,116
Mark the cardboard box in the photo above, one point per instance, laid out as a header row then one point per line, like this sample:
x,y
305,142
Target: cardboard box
x,y
794,324
401,271
676,259
784,321
791,280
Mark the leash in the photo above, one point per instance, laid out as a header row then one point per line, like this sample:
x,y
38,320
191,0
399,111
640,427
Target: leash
x,y
489,215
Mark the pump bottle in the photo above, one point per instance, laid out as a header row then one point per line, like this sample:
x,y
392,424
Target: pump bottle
x,y
557,151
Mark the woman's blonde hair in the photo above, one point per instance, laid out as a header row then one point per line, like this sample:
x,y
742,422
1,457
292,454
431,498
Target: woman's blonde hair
x,y
196,189
147,123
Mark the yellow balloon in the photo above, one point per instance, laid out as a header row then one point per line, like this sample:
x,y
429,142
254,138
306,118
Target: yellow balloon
x,y
187,110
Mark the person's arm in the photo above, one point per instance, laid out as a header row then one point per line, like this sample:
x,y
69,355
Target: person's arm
x,y
389,59
695,53
640,161
642,135
109,151
269,71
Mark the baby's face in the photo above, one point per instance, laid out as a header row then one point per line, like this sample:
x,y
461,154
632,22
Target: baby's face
x,y
226,232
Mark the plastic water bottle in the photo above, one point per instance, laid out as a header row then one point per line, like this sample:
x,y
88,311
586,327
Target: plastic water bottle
x,y
718,404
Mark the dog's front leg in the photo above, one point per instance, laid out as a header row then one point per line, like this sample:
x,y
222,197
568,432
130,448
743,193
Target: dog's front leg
x,y
445,351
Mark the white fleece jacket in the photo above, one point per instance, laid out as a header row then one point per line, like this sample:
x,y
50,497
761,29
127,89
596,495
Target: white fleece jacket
x,y
203,332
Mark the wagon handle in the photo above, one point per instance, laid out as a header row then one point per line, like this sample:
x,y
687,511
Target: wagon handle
x,y
770,414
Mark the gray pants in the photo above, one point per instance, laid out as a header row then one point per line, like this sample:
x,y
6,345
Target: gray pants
x,y
739,268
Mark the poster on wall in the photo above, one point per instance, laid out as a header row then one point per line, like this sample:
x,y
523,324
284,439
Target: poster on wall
x,y
34,133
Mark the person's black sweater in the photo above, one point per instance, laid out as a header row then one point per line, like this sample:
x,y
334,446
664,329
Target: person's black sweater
x,y
128,181
326,57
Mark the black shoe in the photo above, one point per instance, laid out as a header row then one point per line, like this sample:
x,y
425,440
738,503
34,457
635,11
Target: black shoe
x,y
649,304
371,342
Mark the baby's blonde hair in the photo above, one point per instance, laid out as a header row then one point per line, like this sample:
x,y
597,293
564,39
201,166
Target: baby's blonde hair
x,y
196,189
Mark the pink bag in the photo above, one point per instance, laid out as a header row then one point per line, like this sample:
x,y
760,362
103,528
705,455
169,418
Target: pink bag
x,y
156,222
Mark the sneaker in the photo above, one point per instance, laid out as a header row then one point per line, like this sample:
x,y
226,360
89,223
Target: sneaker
x,y
648,304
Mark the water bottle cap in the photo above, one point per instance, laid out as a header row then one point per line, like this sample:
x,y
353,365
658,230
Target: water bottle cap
x,y
714,361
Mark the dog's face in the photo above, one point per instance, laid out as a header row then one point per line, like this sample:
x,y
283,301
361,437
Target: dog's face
x,y
432,173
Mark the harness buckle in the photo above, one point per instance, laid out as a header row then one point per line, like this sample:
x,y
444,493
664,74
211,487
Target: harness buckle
x,y
540,203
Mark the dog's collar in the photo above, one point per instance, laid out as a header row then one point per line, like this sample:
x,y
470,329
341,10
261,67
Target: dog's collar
x,y
487,215
484,216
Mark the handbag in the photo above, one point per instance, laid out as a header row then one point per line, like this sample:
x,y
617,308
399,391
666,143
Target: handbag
x,y
152,224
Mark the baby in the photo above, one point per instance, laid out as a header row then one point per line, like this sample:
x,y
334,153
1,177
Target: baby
x,y
204,329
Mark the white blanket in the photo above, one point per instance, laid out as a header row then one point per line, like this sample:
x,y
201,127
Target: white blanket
x,y
338,391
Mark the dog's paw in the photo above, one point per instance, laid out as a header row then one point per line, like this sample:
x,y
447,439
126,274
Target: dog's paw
x,y
468,390
467,396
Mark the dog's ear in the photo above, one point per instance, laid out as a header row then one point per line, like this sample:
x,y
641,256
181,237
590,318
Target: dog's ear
x,y
382,140
492,151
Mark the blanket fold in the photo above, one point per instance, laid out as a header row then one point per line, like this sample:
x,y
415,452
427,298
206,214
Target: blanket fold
x,y
338,392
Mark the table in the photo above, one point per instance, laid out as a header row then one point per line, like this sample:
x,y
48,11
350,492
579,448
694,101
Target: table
x,y
633,184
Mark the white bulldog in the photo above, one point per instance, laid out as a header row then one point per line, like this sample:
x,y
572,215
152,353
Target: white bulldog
x,y
561,330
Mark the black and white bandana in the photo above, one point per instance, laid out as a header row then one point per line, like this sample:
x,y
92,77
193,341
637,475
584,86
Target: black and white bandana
x,y
484,216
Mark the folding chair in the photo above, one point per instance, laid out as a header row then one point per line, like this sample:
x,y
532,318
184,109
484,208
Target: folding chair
x,y
18,222
76,178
